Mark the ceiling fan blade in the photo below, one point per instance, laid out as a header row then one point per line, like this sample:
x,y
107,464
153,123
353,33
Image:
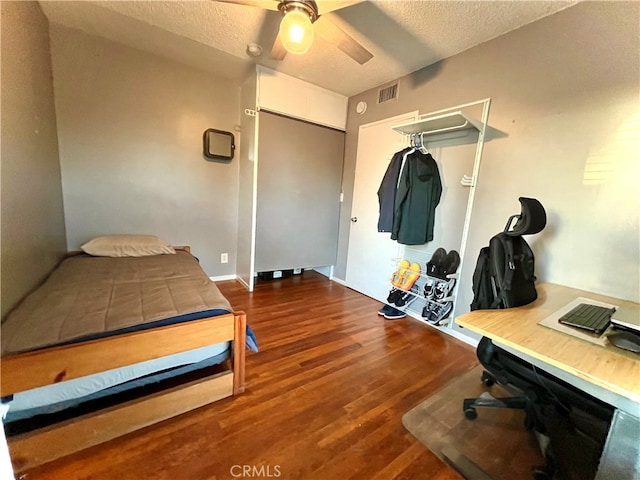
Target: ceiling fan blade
x,y
328,30
278,51
326,6
266,4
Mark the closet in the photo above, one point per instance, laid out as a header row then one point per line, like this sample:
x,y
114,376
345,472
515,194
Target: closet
x,y
291,161
455,139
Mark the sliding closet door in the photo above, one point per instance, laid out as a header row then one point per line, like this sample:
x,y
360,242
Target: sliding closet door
x,y
298,193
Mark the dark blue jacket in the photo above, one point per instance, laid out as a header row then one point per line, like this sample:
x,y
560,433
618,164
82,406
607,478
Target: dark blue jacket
x,y
387,191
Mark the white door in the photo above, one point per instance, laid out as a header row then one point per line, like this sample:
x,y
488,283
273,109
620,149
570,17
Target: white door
x,y
371,254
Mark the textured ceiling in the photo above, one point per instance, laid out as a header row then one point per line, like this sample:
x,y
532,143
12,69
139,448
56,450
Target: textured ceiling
x,y
402,35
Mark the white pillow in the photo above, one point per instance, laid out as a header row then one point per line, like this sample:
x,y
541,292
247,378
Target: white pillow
x,y
127,246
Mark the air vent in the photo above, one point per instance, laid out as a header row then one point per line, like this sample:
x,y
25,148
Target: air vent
x,y
388,93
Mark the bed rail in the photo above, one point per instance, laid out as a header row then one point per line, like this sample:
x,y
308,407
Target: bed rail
x,y
42,367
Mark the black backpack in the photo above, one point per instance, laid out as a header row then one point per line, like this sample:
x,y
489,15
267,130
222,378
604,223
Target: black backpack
x,y
504,275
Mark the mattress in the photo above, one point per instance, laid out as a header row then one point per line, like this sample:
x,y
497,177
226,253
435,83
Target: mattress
x,y
59,396
92,297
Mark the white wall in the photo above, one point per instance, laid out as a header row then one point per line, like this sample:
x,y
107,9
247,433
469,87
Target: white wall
x,y
247,191
569,106
130,128
564,96
587,178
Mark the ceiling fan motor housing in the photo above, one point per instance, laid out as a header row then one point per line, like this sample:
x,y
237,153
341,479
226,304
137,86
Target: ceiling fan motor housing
x,y
309,7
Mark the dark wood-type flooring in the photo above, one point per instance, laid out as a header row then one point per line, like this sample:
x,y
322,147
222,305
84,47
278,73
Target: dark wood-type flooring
x,y
325,398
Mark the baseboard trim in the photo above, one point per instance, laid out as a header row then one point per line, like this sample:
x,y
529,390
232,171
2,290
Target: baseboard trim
x,y
222,278
244,284
341,282
445,329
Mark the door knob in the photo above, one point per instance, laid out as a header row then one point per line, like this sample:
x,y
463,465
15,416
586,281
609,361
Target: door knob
x,y
354,219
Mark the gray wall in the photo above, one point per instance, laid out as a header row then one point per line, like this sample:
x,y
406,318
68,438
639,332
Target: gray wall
x,y
565,99
33,235
130,127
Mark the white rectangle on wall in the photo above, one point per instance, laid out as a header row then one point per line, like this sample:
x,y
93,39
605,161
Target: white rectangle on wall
x,y
280,93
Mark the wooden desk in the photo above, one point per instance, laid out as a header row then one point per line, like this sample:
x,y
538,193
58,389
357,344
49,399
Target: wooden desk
x,y
606,372
611,368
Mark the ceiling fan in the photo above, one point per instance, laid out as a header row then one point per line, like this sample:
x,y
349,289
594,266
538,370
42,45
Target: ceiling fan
x,y
304,18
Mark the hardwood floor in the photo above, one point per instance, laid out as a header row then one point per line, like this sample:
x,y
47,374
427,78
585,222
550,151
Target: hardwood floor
x,y
324,400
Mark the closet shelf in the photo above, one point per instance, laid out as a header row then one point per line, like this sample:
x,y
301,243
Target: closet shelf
x,y
440,124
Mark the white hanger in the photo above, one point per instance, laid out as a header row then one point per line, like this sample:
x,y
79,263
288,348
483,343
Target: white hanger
x,y
411,144
420,143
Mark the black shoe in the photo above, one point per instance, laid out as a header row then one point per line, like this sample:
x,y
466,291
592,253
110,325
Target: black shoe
x,y
407,297
429,288
442,289
450,263
394,295
394,314
387,309
440,312
435,264
427,310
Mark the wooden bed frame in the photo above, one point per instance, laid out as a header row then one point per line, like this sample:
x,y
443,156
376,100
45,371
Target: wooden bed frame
x,y
24,371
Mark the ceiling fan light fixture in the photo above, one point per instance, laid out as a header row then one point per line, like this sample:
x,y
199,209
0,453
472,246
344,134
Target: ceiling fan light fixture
x,y
296,30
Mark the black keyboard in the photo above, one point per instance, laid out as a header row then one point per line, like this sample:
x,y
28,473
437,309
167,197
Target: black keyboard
x,y
588,317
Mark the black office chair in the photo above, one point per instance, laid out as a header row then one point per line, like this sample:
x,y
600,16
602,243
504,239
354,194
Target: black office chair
x,y
574,424
531,385
554,409
532,219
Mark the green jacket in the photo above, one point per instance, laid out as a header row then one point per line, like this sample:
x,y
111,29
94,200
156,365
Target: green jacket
x,y
418,194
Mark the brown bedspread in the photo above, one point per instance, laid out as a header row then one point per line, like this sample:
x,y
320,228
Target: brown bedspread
x,y
92,295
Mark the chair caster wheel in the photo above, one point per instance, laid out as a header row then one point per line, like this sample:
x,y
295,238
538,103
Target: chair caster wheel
x,y
487,380
470,413
542,473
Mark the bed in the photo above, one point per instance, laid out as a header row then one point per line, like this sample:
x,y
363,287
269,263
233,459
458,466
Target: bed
x,y
108,345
